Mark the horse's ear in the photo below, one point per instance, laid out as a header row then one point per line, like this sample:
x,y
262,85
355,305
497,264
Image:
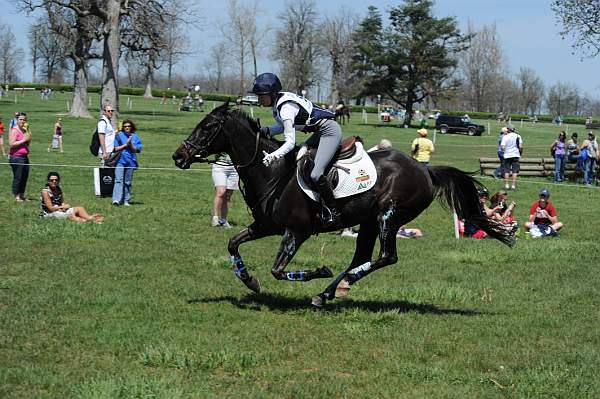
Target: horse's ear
x,y
227,102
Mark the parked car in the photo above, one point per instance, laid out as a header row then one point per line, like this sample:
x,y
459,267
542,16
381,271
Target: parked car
x,y
458,124
248,100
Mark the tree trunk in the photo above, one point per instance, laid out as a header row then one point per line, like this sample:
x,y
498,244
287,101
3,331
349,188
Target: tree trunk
x,y
110,61
149,78
79,108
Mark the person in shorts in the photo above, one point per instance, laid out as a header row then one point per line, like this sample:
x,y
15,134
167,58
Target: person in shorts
x,y
225,179
54,206
512,147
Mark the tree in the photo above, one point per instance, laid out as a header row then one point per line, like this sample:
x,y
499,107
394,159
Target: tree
x,y
50,49
215,66
237,33
337,43
368,46
10,55
296,47
482,67
417,49
531,90
580,20
563,99
34,43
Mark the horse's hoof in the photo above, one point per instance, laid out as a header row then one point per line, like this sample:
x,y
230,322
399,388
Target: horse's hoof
x,y
253,284
342,289
318,301
325,272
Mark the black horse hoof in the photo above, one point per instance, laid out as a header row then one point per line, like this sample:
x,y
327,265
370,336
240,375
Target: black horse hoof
x,y
318,301
253,284
324,272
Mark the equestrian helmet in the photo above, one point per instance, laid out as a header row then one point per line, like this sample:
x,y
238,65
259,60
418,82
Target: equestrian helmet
x,y
266,83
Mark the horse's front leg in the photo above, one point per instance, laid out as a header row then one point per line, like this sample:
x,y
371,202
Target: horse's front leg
x,y
290,244
252,232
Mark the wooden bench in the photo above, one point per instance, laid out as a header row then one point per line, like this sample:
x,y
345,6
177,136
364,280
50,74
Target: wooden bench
x,y
540,167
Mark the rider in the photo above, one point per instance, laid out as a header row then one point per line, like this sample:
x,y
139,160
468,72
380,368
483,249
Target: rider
x,y
293,112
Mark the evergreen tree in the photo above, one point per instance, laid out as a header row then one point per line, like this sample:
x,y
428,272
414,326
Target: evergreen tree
x,y
405,60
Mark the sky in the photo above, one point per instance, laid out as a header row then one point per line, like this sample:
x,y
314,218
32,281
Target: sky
x,y
527,30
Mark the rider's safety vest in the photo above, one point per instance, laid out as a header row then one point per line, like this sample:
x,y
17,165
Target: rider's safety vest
x,y
309,117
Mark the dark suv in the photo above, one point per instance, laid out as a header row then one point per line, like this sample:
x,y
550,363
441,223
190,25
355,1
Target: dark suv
x,y
458,124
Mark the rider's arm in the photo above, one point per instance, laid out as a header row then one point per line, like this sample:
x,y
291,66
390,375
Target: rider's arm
x,y
290,139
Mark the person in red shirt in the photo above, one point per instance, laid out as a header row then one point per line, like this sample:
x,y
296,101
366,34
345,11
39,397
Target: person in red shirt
x,y
2,138
543,212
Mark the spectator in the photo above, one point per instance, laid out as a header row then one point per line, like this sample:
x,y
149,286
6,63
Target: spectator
x,y
512,146
469,229
225,179
18,140
572,148
405,232
589,162
2,138
543,219
54,206
128,142
57,141
106,133
382,145
558,151
498,173
502,211
422,147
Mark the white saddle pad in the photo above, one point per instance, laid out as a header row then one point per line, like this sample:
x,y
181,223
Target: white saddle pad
x,y
356,177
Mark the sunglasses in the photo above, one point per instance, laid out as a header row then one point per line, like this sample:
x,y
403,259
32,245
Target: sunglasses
x,y
52,179
21,120
126,126
109,110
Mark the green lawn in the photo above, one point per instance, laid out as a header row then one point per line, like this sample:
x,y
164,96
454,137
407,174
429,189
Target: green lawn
x,y
145,305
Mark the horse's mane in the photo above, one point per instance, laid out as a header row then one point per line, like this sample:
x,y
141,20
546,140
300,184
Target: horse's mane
x,y
242,116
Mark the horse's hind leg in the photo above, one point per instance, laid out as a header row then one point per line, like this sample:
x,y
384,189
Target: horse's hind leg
x,y
290,244
365,242
253,232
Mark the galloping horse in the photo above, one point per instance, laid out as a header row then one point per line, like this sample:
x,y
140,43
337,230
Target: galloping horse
x,y
404,189
342,114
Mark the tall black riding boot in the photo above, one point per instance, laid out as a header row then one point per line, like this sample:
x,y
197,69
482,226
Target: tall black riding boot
x,y
330,215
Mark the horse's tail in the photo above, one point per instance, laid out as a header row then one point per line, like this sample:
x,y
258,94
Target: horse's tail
x,y
459,191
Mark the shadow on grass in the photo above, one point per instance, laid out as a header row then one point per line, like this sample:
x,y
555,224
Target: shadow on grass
x,y
282,303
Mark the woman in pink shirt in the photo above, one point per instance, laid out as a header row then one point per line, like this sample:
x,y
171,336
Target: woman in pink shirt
x,y
18,140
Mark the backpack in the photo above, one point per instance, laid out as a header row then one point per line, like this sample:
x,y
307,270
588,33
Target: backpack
x,y
95,144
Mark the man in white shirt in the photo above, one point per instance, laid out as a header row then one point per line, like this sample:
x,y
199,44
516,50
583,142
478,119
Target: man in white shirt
x,y
512,146
106,133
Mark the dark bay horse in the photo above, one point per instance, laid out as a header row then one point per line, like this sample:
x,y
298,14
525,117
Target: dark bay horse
x,y
342,114
279,207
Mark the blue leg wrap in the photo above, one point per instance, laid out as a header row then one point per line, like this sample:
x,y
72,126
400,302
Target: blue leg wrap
x,y
239,268
296,276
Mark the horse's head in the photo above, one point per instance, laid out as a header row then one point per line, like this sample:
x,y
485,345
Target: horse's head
x,y
207,138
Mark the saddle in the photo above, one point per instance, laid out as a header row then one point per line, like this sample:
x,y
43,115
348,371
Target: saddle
x,y
346,153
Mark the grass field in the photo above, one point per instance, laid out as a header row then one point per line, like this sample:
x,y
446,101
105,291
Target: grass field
x,y
146,306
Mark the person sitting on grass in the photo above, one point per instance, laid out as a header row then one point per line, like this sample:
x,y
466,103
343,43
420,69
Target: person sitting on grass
x,y
502,210
543,219
471,230
54,206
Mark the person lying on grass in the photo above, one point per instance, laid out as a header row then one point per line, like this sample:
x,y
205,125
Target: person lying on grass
x,y
54,206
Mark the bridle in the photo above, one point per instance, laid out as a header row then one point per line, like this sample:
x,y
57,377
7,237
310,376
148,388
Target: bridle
x,y
206,142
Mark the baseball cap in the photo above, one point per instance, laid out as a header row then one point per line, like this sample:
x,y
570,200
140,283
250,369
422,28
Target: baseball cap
x,y
545,193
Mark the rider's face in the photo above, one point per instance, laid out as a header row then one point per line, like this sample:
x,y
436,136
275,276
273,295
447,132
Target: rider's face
x,y
265,100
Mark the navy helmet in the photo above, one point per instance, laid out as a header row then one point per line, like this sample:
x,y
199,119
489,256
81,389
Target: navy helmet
x,y
545,193
266,83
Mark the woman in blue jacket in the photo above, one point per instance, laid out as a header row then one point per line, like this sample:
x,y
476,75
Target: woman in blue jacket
x,y
128,142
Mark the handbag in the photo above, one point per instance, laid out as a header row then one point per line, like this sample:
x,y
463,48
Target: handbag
x,y
113,158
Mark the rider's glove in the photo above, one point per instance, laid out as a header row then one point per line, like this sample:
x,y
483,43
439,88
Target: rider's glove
x,y
268,158
266,131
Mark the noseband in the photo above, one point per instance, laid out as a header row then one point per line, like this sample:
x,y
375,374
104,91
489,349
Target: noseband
x,y
209,139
